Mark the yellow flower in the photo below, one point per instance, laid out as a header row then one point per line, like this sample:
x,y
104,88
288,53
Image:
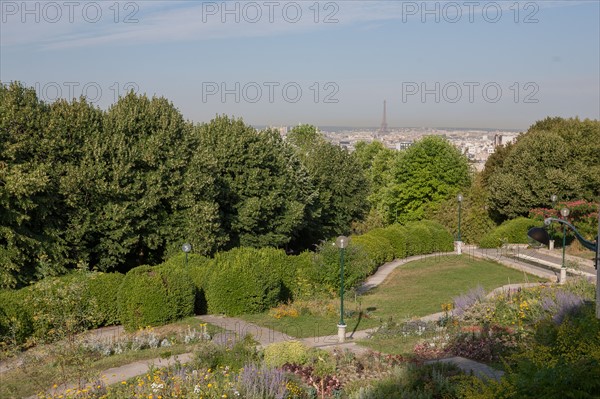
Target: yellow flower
x,y
124,382
209,385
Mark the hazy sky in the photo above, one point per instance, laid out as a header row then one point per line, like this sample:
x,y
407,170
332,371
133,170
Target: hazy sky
x,y
502,64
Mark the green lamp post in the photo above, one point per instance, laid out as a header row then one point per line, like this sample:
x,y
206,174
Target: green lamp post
x,y
341,242
459,198
187,248
540,234
563,268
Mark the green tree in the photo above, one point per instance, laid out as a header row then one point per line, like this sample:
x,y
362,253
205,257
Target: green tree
x,y
555,156
475,219
339,181
29,241
260,187
429,172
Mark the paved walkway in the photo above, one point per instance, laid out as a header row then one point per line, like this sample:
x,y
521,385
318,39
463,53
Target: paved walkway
x,y
235,328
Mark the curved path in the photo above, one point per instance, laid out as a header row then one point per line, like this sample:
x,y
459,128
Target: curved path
x,y
235,327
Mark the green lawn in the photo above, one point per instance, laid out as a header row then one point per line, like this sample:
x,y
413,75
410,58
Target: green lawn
x,y
416,289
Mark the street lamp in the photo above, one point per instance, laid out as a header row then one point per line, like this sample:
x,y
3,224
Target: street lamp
x,y
459,198
541,235
563,268
342,242
186,248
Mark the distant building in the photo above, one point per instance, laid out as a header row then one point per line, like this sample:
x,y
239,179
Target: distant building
x,y
404,145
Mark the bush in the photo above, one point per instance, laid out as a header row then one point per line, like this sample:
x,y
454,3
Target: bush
x,y
104,289
62,306
510,232
394,237
293,352
16,323
442,240
357,265
378,248
419,239
243,282
306,283
151,296
199,269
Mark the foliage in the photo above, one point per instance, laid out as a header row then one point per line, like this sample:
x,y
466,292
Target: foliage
x,y
413,382
16,323
340,187
563,361
426,174
245,281
475,219
151,296
358,264
378,248
29,243
510,232
199,269
555,156
104,290
419,239
277,354
582,214
61,306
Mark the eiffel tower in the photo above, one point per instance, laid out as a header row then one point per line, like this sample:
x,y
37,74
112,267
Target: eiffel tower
x,y
384,126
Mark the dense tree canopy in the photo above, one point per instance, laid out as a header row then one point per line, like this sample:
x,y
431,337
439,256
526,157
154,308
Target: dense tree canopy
x,y
420,178
109,190
341,188
555,156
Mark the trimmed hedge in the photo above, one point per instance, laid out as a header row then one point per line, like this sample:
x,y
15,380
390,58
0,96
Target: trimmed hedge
x,y
151,296
245,281
510,232
199,269
442,240
379,248
419,239
396,236
104,289
357,266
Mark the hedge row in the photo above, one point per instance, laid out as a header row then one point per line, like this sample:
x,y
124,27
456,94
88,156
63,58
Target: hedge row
x,y
510,232
242,280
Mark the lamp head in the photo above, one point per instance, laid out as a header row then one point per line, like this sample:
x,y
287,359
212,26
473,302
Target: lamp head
x,y
341,242
553,198
539,234
459,197
564,212
186,247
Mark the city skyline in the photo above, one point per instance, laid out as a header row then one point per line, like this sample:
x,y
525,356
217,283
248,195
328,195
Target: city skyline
x,y
494,65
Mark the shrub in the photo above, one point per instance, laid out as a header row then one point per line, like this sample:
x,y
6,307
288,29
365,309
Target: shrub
x,y
378,248
199,269
397,234
306,283
243,282
152,296
442,240
62,306
510,232
104,289
419,239
357,265
277,354
16,323
396,240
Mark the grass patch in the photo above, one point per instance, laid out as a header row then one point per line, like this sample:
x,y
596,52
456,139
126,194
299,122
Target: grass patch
x,y
415,289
